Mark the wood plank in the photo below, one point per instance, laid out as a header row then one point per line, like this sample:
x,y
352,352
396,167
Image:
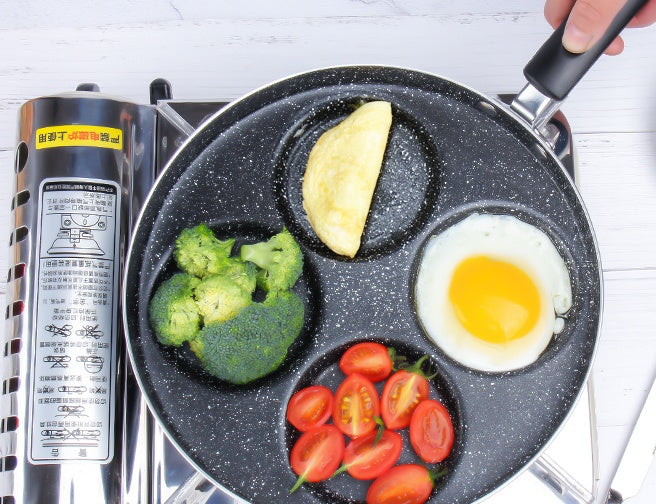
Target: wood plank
x,y
72,14
617,177
625,365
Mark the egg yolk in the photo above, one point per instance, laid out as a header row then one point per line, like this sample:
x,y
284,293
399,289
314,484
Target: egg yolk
x,y
494,300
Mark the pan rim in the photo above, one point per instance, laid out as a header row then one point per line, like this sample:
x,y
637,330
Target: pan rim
x,y
499,106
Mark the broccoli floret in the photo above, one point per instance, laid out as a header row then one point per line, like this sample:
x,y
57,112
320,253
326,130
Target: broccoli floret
x,y
220,298
241,272
255,342
199,252
173,313
280,259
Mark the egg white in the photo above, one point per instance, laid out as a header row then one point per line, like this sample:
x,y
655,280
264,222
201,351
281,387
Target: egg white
x,y
499,237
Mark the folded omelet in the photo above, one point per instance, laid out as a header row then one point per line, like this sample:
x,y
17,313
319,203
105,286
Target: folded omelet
x,y
341,175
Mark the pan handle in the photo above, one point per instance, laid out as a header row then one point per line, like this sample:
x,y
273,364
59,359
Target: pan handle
x,y
554,71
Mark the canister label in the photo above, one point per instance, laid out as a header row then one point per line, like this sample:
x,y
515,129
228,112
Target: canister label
x,y
79,135
74,326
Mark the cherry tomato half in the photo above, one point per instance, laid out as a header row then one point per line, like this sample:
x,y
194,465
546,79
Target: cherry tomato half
x,y
365,460
370,359
407,484
431,431
310,407
356,406
317,454
402,394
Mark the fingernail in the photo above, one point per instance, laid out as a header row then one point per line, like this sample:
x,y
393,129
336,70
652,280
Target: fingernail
x,y
575,40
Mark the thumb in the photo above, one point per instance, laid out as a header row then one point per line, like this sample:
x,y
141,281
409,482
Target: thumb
x,y
587,22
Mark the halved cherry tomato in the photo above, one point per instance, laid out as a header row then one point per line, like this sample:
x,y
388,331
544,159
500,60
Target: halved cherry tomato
x,y
402,484
431,431
402,394
356,406
365,459
317,454
310,407
370,359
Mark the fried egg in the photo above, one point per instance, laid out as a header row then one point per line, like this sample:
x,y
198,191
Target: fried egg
x,y
491,291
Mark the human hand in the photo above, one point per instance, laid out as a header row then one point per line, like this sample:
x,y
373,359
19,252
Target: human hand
x,y
589,19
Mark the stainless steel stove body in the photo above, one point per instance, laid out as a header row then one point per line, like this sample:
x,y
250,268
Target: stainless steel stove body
x,y
79,160
74,425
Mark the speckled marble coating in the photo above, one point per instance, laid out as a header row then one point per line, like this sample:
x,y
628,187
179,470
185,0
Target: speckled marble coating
x,y
448,156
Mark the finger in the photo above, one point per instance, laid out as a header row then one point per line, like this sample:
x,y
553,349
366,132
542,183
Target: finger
x,y
556,11
615,47
587,22
646,16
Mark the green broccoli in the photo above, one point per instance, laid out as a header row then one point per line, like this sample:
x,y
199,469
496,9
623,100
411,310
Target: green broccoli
x,y
173,312
199,252
280,259
211,304
220,298
241,272
255,342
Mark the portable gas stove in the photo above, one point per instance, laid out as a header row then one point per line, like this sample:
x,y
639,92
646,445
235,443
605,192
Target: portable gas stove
x,y
75,427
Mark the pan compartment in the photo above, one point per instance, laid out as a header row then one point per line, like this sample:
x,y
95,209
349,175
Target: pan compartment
x,y
325,371
307,287
405,194
559,340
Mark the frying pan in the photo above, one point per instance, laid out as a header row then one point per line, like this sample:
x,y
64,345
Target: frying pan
x,y
451,152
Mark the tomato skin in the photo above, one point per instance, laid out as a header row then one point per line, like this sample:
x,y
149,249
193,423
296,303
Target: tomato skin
x,y
431,431
310,407
368,358
365,462
356,406
402,394
317,453
402,484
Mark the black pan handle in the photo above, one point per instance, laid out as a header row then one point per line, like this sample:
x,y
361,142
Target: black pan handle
x,y
554,71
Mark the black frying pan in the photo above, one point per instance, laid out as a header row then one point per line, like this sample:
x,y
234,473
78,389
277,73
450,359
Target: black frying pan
x,y
452,151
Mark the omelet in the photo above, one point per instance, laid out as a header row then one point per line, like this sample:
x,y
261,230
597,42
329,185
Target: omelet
x,y
341,175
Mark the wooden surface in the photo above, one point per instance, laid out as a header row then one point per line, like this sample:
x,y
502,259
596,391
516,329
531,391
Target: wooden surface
x,y
222,49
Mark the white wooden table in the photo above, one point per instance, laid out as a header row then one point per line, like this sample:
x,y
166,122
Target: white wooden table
x,y
221,49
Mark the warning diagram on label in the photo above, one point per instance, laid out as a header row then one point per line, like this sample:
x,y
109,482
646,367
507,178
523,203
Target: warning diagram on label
x,y
75,322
